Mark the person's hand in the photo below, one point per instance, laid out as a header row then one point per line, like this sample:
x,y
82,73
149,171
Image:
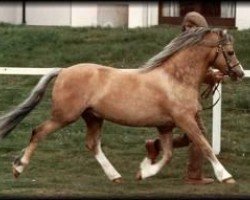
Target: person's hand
x,y
218,76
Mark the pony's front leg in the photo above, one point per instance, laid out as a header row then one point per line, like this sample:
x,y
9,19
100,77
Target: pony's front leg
x,y
148,169
190,124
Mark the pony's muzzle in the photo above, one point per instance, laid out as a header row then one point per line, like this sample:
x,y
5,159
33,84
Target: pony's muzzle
x,y
237,73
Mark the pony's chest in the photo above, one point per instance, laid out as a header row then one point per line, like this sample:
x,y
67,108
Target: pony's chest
x,y
181,95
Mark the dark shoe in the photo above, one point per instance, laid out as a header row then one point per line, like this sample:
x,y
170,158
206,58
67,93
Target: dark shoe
x,y
201,181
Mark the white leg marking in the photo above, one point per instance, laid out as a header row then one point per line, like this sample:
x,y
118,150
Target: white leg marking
x,y
24,160
107,167
148,169
220,172
241,67
19,168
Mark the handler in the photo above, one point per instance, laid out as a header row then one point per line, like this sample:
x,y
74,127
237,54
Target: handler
x,y
194,168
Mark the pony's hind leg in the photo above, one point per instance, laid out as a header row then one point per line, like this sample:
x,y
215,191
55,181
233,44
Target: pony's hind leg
x,y
93,143
148,169
38,133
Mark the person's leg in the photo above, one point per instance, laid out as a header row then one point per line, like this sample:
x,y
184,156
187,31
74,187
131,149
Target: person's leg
x,y
195,161
194,174
194,169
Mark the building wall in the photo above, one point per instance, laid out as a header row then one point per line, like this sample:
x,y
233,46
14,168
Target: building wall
x,y
84,14
48,13
131,14
143,14
112,14
76,14
243,15
11,12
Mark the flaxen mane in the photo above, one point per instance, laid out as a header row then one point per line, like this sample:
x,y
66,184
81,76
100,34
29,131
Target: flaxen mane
x,y
185,39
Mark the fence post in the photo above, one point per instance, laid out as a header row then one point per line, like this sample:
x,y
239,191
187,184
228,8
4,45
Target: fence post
x,y
216,131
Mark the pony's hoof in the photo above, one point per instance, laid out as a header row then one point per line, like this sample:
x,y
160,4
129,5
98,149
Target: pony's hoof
x,y
229,181
138,176
15,173
118,180
17,167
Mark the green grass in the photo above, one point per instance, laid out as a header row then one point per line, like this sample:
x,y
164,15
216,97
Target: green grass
x,y
61,165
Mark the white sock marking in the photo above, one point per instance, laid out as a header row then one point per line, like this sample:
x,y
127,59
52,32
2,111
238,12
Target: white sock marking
x,y
148,169
107,167
24,160
220,172
241,67
19,168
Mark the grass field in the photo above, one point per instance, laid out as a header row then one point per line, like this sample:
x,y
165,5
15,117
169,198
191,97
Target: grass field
x,y
62,165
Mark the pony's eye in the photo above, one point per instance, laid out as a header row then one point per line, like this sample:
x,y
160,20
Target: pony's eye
x,y
230,53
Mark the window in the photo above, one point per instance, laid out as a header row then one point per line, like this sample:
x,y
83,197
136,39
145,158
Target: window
x,y
217,13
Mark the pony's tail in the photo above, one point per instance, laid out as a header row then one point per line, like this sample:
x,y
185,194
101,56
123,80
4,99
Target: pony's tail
x,y
10,120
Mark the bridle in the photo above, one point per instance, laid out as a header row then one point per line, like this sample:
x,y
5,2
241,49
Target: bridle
x,y
219,48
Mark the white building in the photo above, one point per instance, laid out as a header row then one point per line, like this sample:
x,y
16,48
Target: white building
x,y
126,14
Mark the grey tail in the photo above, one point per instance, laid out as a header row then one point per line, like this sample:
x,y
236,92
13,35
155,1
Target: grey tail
x,y
11,119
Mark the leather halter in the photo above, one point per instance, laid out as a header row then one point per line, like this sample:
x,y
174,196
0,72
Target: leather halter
x,y
220,48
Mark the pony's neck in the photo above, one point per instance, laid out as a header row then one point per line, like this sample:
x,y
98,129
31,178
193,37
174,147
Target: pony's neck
x,y
189,66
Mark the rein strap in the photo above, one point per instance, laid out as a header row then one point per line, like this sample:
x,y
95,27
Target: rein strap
x,y
207,92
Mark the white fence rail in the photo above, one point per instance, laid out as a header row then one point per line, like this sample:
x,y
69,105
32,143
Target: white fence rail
x,y
216,128
24,71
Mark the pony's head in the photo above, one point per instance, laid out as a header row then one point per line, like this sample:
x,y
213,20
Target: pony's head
x,y
220,45
224,57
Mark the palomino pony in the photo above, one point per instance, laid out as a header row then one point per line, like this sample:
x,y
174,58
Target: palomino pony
x,y
162,94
